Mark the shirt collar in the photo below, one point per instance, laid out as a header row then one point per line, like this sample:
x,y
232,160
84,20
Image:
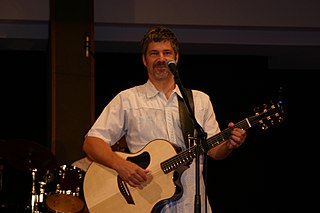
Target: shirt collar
x,y
152,91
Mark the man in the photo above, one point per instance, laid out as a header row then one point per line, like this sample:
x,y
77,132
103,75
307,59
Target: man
x,y
149,112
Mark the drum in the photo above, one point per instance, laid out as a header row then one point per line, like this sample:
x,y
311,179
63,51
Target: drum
x,y
63,203
67,195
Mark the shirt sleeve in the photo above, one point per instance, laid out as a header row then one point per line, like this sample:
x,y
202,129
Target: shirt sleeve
x,y
109,125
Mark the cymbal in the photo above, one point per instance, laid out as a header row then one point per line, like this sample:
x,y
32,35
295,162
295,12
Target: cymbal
x,y
27,155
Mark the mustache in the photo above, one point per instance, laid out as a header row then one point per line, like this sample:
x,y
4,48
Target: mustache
x,y
159,63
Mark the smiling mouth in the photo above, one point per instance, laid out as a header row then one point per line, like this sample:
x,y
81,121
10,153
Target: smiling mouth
x,y
161,67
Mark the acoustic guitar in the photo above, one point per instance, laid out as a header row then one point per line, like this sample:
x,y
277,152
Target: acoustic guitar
x,y
105,191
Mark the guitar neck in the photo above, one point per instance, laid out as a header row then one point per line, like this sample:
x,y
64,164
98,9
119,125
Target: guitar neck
x,y
272,115
188,155
226,133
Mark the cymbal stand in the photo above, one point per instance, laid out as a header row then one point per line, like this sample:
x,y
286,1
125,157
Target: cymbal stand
x,y
42,192
34,195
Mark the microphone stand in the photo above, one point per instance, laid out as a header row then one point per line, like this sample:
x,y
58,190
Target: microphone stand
x,y
199,136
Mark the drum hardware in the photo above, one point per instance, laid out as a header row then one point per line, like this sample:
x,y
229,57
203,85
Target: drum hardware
x,y
34,195
42,192
67,195
38,194
43,187
66,174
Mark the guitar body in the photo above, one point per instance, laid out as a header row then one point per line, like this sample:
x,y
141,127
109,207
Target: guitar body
x,y
103,193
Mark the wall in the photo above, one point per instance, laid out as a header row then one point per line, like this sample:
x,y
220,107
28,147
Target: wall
x,y
286,31
262,13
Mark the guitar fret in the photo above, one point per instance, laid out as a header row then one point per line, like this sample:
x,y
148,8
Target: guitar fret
x,y
188,155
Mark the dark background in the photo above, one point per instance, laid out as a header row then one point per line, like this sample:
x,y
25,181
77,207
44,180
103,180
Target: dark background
x,y
252,48
271,172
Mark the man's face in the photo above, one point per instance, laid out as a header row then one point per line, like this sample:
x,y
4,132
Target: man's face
x,y
155,59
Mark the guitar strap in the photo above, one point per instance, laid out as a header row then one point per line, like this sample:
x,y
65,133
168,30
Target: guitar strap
x,y
185,120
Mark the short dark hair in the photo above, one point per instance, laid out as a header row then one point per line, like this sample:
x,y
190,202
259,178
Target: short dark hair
x,y
158,34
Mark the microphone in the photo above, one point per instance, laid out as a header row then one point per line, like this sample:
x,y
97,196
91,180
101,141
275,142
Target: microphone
x,y
171,64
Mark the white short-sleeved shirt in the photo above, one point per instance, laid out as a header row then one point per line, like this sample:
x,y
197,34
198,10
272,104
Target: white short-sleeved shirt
x,y
143,114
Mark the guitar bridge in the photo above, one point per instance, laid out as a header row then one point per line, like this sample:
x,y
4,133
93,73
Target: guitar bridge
x,y
124,190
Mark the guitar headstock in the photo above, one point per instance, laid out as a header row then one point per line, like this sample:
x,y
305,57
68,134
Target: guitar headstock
x,y
268,114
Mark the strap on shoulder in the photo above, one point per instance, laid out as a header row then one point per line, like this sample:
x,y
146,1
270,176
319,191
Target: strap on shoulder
x,y
185,120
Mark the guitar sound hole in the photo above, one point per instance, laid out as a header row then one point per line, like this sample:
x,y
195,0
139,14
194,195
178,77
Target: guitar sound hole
x,y
142,160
